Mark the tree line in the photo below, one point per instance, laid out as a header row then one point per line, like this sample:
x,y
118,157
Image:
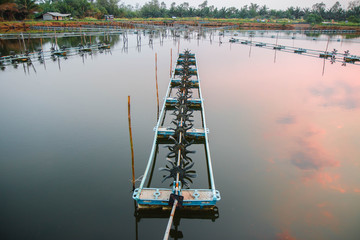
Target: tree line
x,y
319,12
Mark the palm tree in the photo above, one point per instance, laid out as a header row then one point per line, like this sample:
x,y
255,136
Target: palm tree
x,y
253,9
27,7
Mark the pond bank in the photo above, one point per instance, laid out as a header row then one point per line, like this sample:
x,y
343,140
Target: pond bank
x,y
26,25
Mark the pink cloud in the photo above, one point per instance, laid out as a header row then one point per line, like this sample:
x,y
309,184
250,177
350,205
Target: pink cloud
x,y
321,177
322,205
340,94
285,235
327,180
311,156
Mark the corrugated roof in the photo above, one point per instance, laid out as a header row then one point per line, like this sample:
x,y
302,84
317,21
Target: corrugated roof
x,y
56,14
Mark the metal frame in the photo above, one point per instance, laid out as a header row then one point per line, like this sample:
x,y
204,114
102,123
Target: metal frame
x,y
154,200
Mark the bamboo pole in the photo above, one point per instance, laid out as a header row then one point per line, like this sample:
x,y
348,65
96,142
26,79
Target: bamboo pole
x,y
131,145
170,61
327,46
157,89
81,37
22,36
168,227
56,43
276,44
179,46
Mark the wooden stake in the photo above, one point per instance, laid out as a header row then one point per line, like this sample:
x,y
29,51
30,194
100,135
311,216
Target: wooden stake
x,y
22,36
157,89
56,44
179,47
327,45
131,145
81,37
168,227
170,62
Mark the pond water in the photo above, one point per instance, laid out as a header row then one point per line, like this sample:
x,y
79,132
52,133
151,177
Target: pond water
x,y
284,140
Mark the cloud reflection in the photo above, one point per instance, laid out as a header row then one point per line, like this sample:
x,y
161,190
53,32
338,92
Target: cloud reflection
x,y
341,94
285,235
311,155
287,119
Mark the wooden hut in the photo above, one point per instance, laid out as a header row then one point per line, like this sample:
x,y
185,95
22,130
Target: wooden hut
x,y
54,16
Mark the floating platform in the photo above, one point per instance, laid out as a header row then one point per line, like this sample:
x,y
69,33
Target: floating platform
x,y
176,82
195,134
193,71
195,103
325,55
104,46
351,59
279,47
20,59
85,50
260,44
300,51
59,53
192,197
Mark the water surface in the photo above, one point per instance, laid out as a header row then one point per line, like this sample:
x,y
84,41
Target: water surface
x,y
284,142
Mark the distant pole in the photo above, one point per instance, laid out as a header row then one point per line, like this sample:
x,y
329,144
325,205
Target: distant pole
x,y
81,37
22,36
56,43
157,88
327,46
170,61
276,44
131,145
41,44
179,46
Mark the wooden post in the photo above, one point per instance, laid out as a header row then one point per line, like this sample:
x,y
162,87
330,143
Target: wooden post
x,y
170,62
56,44
327,46
81,37
168,227
157,89
131,145
22,36
179,46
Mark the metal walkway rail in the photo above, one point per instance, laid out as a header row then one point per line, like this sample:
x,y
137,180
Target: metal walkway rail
x,y
333,56
185,79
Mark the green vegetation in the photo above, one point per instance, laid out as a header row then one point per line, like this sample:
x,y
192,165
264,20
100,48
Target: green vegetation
x,y
97,9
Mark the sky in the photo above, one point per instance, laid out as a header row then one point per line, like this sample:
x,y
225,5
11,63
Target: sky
x,y
272,4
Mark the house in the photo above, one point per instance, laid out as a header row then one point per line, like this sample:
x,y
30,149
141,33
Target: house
x,y
109,17
54,16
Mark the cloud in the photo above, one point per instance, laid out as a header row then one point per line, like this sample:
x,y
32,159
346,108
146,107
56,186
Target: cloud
x,y
285,235
311,156
321,177
288,119
314,161
327,180
341,94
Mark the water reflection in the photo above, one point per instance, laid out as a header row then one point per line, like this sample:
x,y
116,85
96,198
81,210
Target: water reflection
x,y
284,142
175,232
